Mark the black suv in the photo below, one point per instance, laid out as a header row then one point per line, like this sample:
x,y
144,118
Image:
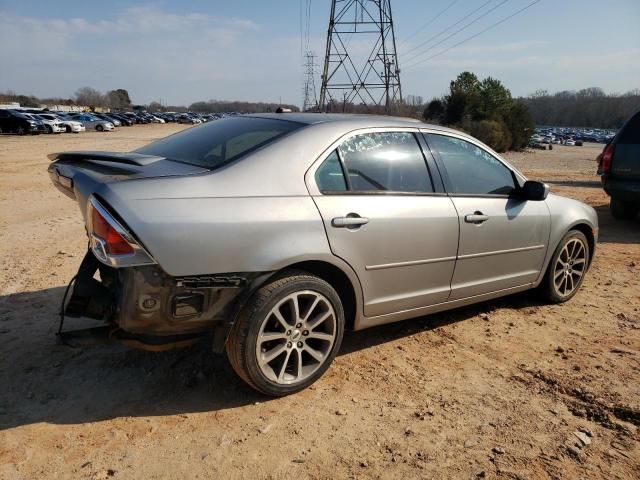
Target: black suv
x,y
619,169
12,121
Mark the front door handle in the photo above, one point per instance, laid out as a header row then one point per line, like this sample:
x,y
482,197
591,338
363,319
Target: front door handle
x,y
476,218
353,220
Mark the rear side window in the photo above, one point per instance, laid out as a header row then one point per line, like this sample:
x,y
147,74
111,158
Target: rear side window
x,y
215,144
470,169
330,177
630,134
387,162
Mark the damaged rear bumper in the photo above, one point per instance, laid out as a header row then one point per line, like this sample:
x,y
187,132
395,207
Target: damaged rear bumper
x,y
144,307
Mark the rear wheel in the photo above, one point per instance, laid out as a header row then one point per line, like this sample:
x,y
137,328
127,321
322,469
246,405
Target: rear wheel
x,y
287,334
622,210
567,268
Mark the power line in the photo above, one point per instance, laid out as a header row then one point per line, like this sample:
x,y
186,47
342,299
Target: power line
x,y
429,22
490,27
457,31
305,25
301,29
448,28
308,25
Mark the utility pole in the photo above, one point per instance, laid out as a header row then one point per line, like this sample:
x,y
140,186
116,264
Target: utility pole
x,y
368,80
309,92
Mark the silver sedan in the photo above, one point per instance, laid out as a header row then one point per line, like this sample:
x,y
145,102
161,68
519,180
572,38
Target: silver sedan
x,y
91,122
274,233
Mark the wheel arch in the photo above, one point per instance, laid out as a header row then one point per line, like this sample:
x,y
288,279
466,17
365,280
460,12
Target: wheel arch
x,y
339,280
339,276
587,230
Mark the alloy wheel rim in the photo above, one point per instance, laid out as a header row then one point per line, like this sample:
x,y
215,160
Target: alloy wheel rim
x,y
296,337
570,267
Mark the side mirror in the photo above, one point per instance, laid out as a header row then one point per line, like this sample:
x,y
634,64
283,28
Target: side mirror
x,y
534,191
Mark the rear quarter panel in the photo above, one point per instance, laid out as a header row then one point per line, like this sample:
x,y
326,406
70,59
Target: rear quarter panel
x,y
192,236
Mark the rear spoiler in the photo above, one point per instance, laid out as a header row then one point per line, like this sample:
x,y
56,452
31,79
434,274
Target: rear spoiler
x,y
128,158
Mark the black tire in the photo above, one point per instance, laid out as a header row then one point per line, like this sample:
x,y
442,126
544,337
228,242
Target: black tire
x,y
547,288
623,210
99,128
20,131
242,341
68,128
49,129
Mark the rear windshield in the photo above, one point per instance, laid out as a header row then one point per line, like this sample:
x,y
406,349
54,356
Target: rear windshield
x,y
219,142
630,134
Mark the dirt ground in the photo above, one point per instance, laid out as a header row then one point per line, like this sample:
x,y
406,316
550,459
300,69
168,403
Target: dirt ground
x,y
506,389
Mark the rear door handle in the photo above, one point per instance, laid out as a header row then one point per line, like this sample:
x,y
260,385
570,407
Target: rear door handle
x,y
476,217
350,221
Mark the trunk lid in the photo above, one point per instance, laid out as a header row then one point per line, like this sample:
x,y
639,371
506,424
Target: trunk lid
x,y
79,174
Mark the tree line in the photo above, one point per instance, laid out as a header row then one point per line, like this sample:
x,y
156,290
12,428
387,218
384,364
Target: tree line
x,y
484,108
85,96
119,99
221,106
589,107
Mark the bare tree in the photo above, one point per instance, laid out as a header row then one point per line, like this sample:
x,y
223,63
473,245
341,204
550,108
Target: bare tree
x,y
89,97
589,107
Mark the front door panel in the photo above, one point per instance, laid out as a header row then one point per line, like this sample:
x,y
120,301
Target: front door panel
x,y
404,255
505,250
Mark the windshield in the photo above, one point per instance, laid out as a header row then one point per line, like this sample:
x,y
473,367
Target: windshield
x,y
215,144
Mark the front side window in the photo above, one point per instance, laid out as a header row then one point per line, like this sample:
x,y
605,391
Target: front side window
x,y
385,162
470,169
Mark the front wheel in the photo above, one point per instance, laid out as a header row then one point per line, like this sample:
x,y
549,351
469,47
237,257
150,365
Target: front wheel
x,y
287,334
99,128
567,268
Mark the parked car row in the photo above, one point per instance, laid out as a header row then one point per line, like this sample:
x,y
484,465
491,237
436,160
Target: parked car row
x,y
36,121
541,142
570,136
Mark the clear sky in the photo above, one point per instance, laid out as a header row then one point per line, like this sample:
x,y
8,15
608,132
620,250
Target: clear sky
x,y
192,50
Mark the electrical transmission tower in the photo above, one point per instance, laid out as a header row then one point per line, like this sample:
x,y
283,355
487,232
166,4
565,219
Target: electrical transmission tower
x,y
310,93
350,78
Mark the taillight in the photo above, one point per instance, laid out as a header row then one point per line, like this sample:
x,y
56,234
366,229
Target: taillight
x,y
110,242
114,243
607,158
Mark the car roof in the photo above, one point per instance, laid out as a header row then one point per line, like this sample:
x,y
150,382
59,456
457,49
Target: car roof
x,y
351,121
